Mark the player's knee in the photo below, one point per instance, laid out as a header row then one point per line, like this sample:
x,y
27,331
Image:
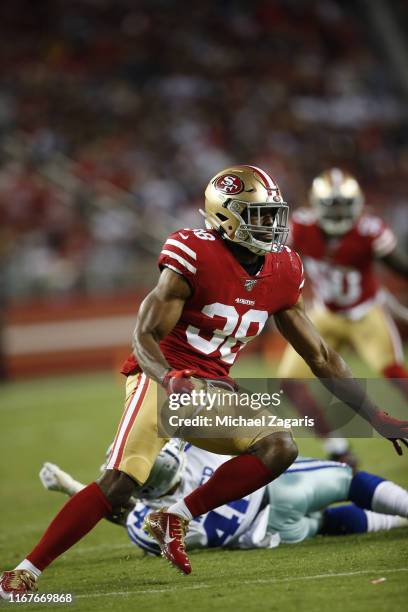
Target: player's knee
x,y
285,448
277,451
117,487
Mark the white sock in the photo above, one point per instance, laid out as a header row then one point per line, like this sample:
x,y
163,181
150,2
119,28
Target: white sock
x,y
55,479
336,446
390,498
383,522
180,509
74,487
27,565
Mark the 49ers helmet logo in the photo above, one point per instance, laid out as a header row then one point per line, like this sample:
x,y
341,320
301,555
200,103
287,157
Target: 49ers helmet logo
x,y
230,184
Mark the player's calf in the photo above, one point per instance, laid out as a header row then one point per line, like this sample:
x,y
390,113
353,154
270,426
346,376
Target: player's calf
x,y
75,519
117,487
234,479
277,452
240,476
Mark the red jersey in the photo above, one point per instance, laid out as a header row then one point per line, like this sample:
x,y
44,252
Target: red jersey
x,y
341,268
228,307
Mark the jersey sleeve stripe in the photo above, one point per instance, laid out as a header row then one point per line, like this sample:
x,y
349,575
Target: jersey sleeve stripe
x,y
308,464
314,468
180,259
167,265
182,246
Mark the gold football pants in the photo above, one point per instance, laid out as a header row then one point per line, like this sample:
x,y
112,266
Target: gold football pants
x,y
137,442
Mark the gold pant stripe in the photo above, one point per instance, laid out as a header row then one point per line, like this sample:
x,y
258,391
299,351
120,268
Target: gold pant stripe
x,y
128,401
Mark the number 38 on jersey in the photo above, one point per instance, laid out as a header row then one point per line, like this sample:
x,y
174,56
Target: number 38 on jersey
x,y
228,307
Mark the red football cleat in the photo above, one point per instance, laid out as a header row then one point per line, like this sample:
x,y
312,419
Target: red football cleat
x,y
169,531
17,582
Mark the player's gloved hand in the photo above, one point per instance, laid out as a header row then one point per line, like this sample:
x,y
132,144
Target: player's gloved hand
x,y
395,430
178,381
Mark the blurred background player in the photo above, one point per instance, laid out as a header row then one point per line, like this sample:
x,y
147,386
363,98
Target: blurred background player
x,y
340,243
289,510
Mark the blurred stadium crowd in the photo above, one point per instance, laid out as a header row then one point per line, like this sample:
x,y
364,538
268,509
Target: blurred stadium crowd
x,y
115,113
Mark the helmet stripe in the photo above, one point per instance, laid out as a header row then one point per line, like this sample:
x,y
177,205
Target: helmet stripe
x,y
267,180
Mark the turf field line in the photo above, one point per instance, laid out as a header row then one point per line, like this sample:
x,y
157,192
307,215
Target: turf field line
x,y
194,587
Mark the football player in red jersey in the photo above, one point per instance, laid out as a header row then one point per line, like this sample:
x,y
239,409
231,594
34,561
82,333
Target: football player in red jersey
x,y
189,329
340,243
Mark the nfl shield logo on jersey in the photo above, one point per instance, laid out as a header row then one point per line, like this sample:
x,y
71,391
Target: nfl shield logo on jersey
x,y
250,284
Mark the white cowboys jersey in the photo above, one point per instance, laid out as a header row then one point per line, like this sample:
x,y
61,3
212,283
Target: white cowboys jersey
x,y
287,510
240,523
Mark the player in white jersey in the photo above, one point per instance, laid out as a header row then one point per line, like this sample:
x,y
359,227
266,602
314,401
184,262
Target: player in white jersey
x,y
291,509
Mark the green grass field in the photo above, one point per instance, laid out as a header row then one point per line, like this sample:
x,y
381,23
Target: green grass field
x,y
71,420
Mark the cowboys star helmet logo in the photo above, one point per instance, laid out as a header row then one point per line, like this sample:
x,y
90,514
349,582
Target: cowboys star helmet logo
x,y
250,284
